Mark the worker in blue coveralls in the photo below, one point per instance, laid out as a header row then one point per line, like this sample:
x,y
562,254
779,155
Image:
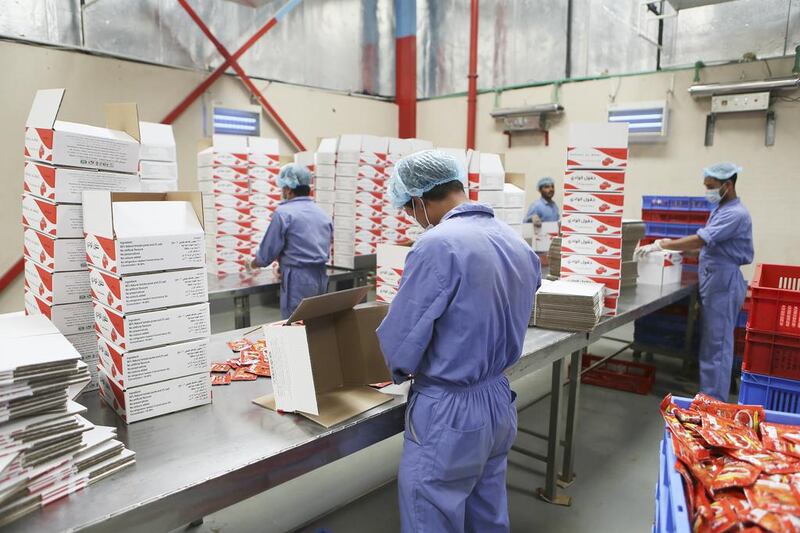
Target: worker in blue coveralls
x,y
725,244
299,239
457,322
544,209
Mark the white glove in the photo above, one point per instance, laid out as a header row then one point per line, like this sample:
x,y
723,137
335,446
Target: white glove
x,y
642,251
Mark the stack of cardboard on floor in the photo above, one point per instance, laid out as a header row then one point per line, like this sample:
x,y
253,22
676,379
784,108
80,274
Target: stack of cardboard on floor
x,y
158,164
47,449
568,305
594,194
62,160
150,295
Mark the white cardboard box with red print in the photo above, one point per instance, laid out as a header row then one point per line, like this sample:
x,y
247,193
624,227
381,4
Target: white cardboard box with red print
x,y
612,285
57,287
374,150
114,148
490,175
219,267
593,202
220,200
225,150
266,199
375,185
137,331
52,253
221,172
390,261
598,146
66,185
263,152
267,174
591,224
590,265
244,240
267,186
398,235
135,368
219,254
57,220
595,180
385,293
141,292
228,214
131,233
661,268
216,187
576,243
348,149
223,227
398,220
70,319
156,399
371,172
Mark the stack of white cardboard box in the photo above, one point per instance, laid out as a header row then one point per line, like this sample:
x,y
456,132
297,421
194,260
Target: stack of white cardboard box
x,y
238,178
391,260
591,227
63,159
325,174
158,162
47,449
265,195
397,227
150,295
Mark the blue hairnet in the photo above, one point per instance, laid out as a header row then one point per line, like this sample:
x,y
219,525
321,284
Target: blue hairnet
x,y
545,181
420,172
721,171
293,176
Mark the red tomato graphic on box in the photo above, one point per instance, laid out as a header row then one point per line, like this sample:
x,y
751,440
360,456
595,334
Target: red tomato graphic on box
x,y
604,208
113,335
601,270
601,228
43,224
105,262
607,161
605,185
42,257
110,299
42,189
41,152
41,290
601,250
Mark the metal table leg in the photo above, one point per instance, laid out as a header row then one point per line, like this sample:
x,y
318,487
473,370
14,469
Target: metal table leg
x,y
241,312
567,472
549,492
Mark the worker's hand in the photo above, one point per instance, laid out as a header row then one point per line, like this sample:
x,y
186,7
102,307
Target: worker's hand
x,y
276,269
642,251
537,221
252,265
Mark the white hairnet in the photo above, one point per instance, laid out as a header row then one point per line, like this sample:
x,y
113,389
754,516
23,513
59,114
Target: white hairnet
x,y
418,173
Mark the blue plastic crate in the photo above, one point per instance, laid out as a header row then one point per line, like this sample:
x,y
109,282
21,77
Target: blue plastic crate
x,y
666,229
691,268
672,203
677,519
699,203
776,394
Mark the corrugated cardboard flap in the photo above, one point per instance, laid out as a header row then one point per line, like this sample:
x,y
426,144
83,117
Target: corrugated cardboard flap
x,y
124,117
516,178
328,304
44,109
337,406
360,353
156,134
98,217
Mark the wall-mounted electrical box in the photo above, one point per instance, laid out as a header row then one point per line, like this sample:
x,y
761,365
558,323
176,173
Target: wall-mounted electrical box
x,y
647,121
735,103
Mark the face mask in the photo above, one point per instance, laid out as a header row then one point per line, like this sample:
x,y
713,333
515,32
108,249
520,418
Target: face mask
x,y
425,227
714,196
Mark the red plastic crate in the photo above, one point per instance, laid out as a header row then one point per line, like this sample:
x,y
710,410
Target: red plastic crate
x,y
775,302
681,217
619,375
772,355
739,342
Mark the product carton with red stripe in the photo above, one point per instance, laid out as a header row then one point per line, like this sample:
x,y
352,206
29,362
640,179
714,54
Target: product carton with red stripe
x,y
66,185
612,285
220,172
232,241
268,174
661,268
365,248
54,254
234,201
219,254
374,150
267,186
593,202
137,331
263,152
397,220
591,224
266,199
141,292
371,172
223,227
595,180
490,198
114,148
229,214
132,369
376,185
576,243
132,233
218,267
225,150
598,146
56,220
385,293
155,399
224,187
57,287
398,235
70,319
260,224
390,261
589,265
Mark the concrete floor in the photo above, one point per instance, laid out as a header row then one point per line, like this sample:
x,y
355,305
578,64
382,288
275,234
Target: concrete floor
x,y
616,465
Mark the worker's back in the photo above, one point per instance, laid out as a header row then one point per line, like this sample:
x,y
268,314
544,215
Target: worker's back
x,y
488,276
308,231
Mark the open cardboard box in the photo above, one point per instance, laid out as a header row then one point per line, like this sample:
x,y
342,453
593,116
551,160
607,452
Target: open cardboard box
x,y
114,148
158,142
322,366
130,233
661,268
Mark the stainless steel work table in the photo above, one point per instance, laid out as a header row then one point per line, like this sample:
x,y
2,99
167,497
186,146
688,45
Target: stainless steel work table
x,y
198,461
239,288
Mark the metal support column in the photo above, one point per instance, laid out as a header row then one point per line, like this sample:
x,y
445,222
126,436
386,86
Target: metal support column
x,y
568,470
406,67
549,492
241,312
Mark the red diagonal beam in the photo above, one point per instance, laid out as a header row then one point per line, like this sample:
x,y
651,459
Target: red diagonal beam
x,y
231,61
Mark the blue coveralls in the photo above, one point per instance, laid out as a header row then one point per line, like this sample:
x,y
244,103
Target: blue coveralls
x,y
728,238
547,211
457,322
299,238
